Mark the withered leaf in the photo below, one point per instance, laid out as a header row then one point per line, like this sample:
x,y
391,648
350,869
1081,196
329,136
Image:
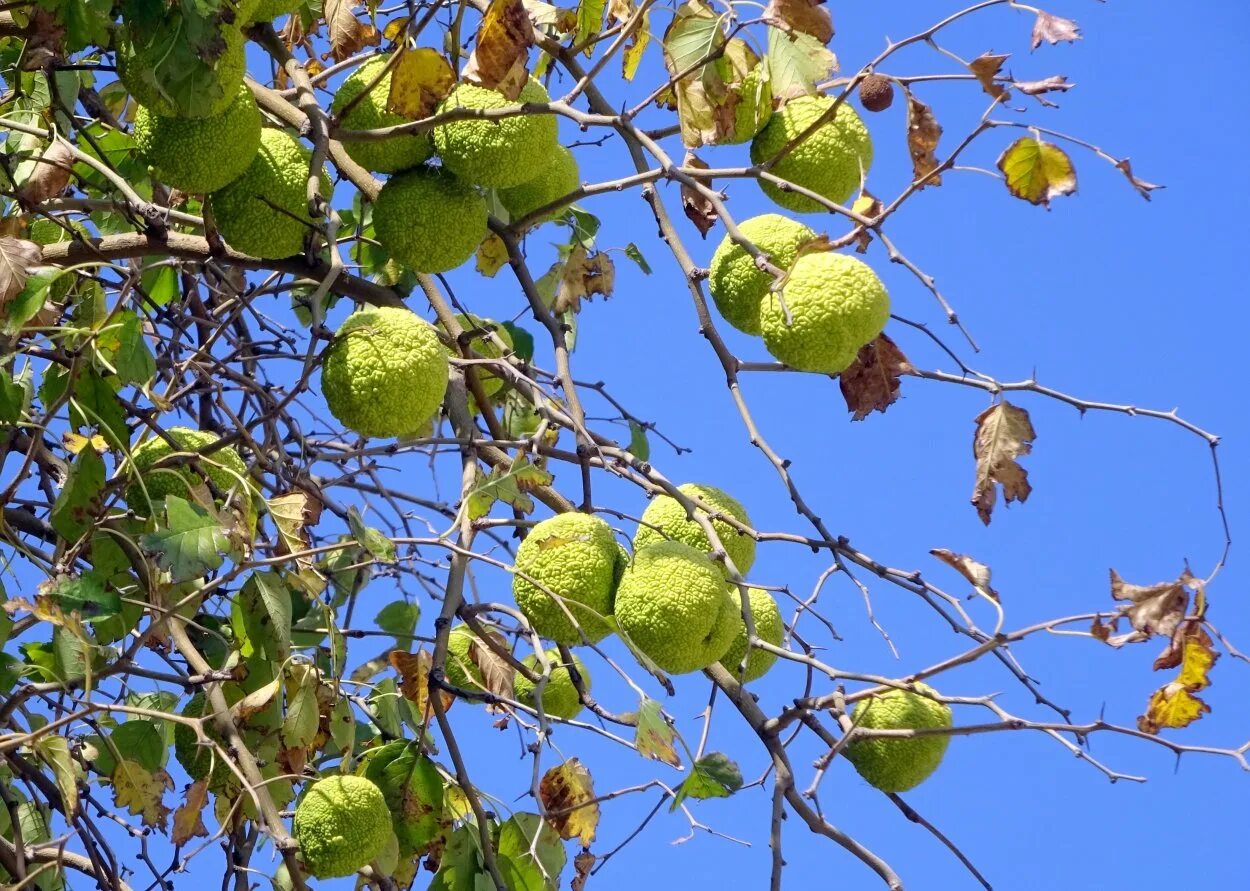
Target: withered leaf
x,y
17,258
50,174
1152,610
869,206
805,16
1004,433
871,382
1053,29
584,275
985,69
705,108
348,34
582,864
1056,84
414,681
974,571
189,817
420,80
568,796
1143,188
699,209
1174,705
923,133
1037,171
503,41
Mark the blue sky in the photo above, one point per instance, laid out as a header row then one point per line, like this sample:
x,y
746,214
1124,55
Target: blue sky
x,y
1106,297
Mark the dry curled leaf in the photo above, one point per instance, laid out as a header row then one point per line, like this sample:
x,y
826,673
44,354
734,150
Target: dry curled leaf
x,y
985,69
1054,29
50,174
568,796
414,681
189,817
348,34
420,80
1152,610
698,207
976,572
1143,188
582,864
1004,433
923,133
17,258
503,41
871,382
1174,705
1037,171
585,274
869,206
1055,84
804,16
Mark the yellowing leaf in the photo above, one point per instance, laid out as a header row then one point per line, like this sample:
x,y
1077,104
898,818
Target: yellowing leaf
x,y
76,442
492,254
414,680
655,737
419,81
635,46
923,133
1174,705
871,382
141,792
1037,171
54,751
1004,433
189,817
568,796
503,41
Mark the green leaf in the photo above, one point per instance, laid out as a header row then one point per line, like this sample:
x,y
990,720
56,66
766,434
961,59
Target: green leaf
x,y
54,751
373,541
399,618
510,486
78,504
713,776
32,298
413,788
137,739
190,542
6,621
460,868
385,704
343,729
531,855
796,63
86,22
638,444
1037,171
93,402
130,355
522,341
589,21
263,607
15,396
299,727
634,253
85,596
160,283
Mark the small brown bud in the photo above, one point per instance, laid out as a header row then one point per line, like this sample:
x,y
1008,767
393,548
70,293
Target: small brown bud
x,y
876,93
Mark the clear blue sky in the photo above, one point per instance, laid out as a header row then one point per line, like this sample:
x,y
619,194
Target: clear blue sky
x,y
1106,297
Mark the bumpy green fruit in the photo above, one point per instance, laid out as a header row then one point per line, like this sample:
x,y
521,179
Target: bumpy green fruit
x,y
429,220
755,105
665,518
460,668
264,212
138,67
896,765
674,606
200,762
223,467
370,113
496,153
204,154
558,178
769,626
560,697
829,162
385,373
836,304
484,344
268,10
341,824
736,283
575,557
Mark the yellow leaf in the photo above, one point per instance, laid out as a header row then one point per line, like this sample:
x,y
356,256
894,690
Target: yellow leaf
x,y
492,254
1174,705
419,81
568,795
55,751
75,443
503,41
142,792
1037,171
188,819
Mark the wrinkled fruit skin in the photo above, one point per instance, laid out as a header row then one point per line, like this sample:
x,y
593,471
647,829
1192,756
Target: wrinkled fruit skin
x,y
388,155
837,305
501,153
460,669
576,557
896,765
769,626
828,162
558,178
665,518
484,344
429,220
876,93
277,178
385,373
674,606
754,108
204,154
341,824
737,284
560,697
135,66
223,467
268,10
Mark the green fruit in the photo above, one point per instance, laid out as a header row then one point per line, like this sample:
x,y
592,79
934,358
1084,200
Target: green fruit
x,y
560,696
385,373
264,212
341,824
769,626
370,113
836,305
200,762
223,467
429,220
575,557
665,518
203,154
485,345
496,153
896,765
831,162
558,178
736,283
144,68
268,10
754,108
674,606
461,668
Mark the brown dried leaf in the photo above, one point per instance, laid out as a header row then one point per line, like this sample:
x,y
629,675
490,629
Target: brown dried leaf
x,y
1143,188
50,175
420,80
17,258
806,16
871,382
699,209
923,133
582,864
1151,609
1174,705
1037,171
414,680
348,34
1053,29
503,41
188,818
568,796
1004,433
1055,84
869,206
972,570
584,275
985,68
